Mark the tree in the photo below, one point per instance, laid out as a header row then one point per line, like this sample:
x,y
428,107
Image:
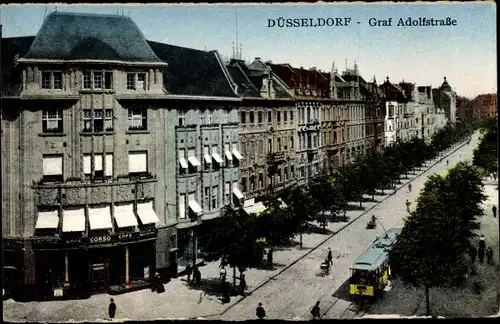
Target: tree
x,y
431,250
234,239
272,169
299,208
485,155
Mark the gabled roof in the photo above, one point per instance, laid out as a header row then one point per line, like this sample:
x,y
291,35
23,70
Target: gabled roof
x,y
193,72
73,36
245,87
11,72
286,73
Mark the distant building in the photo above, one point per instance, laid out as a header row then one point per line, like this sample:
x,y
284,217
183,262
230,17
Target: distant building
x,y
445,100
425,113
482,107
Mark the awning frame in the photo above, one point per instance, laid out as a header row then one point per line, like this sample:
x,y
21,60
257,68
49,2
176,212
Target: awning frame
x,y
195,207
122,222
146,213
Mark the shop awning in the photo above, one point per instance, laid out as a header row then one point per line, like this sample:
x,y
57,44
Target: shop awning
x,y
229,156
237,155
255,208
208,158
124,216
47,220
217,158
100,218
146,213
183,163
195,207
194,161
73,220
238,193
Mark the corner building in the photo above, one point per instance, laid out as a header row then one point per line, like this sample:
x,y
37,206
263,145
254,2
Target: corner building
x,y
81,207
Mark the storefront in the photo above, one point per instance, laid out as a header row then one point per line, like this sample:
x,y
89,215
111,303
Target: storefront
x,y
79,267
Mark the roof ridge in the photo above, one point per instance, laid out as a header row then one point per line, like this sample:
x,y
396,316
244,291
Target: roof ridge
x,y
85,14
183,47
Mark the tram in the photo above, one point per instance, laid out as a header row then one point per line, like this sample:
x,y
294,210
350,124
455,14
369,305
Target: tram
x,y
370,272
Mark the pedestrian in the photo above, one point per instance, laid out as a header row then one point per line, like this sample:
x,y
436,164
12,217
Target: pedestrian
x,y
112,309
243,285
189,272
409,187
446,162
270,257
222,274
473,254
494,210
315,312
330,257
260,312
196,275
489,255
482,248
408,203
225,295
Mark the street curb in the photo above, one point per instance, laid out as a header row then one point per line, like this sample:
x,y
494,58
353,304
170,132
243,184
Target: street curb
x,y
333,234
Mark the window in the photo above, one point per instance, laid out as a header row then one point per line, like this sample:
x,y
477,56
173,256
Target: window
x,y
209,117
137,119
292,172
291,115
243,117
102,120
182,118
269,146
243,146
279,144
291,142
97,80
137,163
53,168
260,147
286,173
244,184
215,196
207,158
52,80
279,175
227,192
182,206
269,116
285,116
98,166
261,180
206,199
251,118
136,81
278,117
259,117
52,121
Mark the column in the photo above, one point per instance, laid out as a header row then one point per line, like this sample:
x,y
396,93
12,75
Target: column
x,y
127,266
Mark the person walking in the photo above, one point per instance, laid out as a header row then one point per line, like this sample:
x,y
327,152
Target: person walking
x,y
473,254
482,248
408,203
243,285
189,272
494,210
447,162
489,255
315,311
112,309
409,187
330,257
260,312
225,294
196,275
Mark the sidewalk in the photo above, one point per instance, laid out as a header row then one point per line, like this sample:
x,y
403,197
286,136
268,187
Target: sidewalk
x,y
180,301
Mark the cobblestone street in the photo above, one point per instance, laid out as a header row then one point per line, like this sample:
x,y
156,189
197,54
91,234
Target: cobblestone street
x,y
287,292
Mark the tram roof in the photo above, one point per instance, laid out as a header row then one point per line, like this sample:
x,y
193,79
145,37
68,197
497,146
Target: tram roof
x,y
376,254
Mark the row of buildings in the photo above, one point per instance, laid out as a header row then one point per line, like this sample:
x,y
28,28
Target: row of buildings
x,y
482,107
117,151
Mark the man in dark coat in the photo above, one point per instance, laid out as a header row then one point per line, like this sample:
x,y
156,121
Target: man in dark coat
x,y
482,248
330,257
189,272
315,311
494,210
225,295
489,255
112,309
260,312
243,284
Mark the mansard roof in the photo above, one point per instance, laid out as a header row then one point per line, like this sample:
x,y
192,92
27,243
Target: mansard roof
x,y
13,48
193,72
73,36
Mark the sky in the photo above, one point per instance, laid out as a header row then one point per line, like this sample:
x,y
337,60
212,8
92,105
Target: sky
x,y
465,53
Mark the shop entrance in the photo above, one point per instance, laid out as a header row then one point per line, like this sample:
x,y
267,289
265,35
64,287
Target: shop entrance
x,y
99,277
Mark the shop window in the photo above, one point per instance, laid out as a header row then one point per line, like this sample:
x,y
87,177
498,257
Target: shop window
x,y
52,121
137,119
51,80
53,168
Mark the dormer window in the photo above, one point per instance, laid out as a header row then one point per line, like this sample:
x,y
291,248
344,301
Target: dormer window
x,y
97,80
136,81
52,80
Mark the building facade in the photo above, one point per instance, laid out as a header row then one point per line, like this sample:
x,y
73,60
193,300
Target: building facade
x,y
267,129
81,208
445,100
425,113
482,107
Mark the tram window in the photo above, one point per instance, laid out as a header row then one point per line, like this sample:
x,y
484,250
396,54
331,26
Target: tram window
x,y
363,277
